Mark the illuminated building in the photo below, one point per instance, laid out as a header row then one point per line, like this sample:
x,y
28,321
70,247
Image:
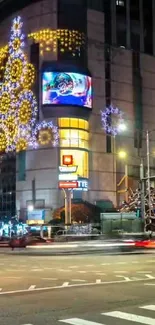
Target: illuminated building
x,y
84,48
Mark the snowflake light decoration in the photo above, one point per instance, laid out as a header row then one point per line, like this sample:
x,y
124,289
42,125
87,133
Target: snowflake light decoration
x,y
18,105
106,119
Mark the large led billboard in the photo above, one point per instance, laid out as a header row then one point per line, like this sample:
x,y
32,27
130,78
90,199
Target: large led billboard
x,y
66,88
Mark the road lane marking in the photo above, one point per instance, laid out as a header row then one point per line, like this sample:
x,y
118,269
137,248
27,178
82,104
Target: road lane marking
x,y
82,271
121,263
98,281
88,284
149,284
32,287
135,262
120,271
149,307
106,264
65,284
79,321
149,276
125,277
73,267
89,265
98,273
36,270
131,317
53,279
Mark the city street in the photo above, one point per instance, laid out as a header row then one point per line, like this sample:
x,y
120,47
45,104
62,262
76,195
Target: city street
x,y
77,290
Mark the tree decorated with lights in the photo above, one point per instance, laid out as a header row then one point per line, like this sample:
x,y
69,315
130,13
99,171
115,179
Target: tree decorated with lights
x,y
134,202
18,105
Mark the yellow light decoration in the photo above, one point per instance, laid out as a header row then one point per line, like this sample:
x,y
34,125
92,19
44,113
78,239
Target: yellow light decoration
x,y
29,76
25,112
16,70
5,103
2,141
16,44
74,40
21,145
12,127
45,137
3,53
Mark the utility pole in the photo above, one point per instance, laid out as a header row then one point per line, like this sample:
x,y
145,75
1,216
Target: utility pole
x,y
148,171
142,189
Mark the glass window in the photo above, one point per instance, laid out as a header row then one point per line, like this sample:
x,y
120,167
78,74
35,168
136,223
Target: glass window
x,y
74,123
95,4
81,124
74,138
86,125
80,159
64,122
64,138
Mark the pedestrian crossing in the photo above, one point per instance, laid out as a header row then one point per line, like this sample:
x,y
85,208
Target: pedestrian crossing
x,y
109,318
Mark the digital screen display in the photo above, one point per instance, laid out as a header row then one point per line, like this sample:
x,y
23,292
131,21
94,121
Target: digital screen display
x,y
65,88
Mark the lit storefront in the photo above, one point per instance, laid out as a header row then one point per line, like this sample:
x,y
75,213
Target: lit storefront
x,y
74,140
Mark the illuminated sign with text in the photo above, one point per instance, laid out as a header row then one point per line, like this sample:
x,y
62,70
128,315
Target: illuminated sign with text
x,y
67,160
68,177
67,169
64,184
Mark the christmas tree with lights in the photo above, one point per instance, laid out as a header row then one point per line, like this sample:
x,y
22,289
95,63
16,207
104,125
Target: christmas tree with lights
x,y
18,105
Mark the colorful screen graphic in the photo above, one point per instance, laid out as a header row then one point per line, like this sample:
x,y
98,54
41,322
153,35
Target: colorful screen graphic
x,y
65,88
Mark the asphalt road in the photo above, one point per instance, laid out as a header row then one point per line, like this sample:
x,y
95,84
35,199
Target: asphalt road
x,y
77,290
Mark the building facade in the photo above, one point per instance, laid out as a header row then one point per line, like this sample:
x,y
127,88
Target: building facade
x,y
111,45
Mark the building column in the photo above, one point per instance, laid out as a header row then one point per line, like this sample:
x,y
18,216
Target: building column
x,y
153,15
128,25
141,26
113,22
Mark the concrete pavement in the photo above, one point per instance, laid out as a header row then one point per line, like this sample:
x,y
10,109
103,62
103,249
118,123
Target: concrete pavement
x,y
76,289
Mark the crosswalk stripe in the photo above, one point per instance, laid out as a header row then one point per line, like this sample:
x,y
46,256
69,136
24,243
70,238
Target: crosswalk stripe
x,y
79,321
131,317
149,307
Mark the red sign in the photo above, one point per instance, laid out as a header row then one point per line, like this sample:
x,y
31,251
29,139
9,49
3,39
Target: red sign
x,y
67,160
68,184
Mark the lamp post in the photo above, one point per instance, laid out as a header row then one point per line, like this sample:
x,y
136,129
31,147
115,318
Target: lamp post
x,y
122,155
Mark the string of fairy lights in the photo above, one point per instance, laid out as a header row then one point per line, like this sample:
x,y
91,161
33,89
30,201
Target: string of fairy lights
x,y
18,105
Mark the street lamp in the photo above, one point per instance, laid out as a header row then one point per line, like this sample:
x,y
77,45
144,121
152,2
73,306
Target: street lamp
x,y
30,208
121,127
122,154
